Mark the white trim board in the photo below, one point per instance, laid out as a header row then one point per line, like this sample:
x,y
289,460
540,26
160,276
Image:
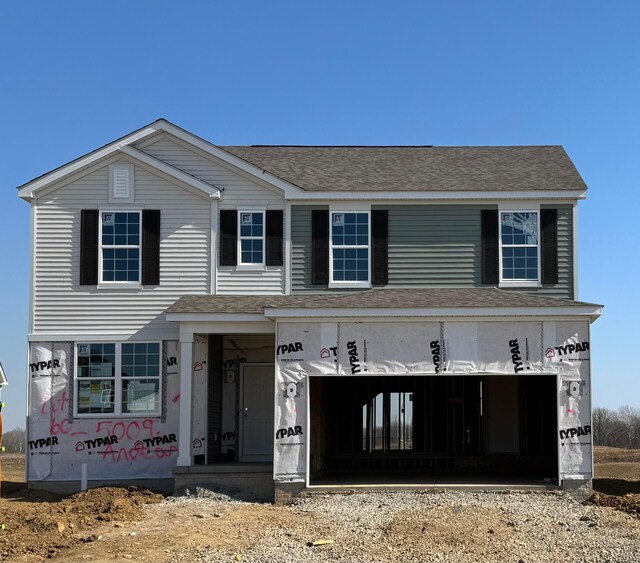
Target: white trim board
x,y
490,312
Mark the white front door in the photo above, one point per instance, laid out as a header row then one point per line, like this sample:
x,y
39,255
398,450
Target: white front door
x,y
256,412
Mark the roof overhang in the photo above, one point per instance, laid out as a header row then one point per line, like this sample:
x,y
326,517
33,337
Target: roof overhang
x,y
587,313
271,314
479,195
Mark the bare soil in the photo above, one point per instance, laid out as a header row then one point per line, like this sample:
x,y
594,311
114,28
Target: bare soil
x,y
109,523
617,479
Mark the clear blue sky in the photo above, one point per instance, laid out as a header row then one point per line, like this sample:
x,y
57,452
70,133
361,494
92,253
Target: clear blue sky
x,y
76,75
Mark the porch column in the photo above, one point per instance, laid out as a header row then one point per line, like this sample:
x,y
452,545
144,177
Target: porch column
x,y
186,404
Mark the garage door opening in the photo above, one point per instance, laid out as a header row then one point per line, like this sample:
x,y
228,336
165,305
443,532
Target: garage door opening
x,y
430,429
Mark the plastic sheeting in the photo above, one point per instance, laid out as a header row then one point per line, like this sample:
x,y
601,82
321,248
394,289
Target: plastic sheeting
x,y
199,394
113,447
432,348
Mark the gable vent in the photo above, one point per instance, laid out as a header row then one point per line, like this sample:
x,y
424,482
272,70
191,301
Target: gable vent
x,y
121,182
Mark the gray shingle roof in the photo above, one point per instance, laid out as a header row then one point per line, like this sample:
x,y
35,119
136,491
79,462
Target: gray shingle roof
x,y
440,169
386,298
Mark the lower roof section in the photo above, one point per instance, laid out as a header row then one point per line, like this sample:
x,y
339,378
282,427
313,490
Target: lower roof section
x,y
383,302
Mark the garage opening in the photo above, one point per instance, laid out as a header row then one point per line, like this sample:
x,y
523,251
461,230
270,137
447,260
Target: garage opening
x,y
426,429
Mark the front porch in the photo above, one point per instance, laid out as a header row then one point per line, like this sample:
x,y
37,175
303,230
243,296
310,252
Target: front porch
x,y
455,400
251,482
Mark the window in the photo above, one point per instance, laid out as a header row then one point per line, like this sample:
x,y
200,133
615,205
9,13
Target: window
x,y
120,235
519,248
118,378
350,248
251,239
387,422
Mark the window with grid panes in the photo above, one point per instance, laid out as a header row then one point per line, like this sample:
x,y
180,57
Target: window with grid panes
x,y
251,239
118,378
350,247
120,235
519,235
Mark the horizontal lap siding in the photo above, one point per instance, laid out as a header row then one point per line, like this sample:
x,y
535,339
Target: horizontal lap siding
x,y
564,287
238,191
61,305
432,246
301,248
231,282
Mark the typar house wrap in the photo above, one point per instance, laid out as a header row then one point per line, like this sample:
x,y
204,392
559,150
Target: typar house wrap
x,y
433,348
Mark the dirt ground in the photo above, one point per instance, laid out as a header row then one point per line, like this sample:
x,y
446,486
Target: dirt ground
x,y
110,524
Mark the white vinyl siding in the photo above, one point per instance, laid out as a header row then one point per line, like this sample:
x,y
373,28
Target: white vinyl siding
x,y
266,282
62,306
239,191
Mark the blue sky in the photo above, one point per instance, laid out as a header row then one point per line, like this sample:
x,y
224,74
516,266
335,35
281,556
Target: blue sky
x,y
76,75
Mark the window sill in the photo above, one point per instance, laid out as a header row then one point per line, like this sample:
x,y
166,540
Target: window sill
x,y
349,285
120,286
113,415
251,268
523,283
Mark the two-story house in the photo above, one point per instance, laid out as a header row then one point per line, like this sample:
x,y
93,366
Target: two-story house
x,y
307,316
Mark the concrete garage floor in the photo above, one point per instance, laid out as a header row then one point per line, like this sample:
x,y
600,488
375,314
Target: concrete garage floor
x,y
453,481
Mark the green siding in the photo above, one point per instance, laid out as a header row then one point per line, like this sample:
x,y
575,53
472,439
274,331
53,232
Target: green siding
x,y
432,246
301,247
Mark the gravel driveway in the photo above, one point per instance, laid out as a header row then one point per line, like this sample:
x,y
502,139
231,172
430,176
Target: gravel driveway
x,y
419,526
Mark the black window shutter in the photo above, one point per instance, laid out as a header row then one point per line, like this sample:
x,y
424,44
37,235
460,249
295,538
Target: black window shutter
x,y
150,247
273,242
320,247
89,247
380,250
228,237
549,245
489,228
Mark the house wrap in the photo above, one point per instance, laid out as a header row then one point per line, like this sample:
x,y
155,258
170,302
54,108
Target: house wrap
x,y
269,319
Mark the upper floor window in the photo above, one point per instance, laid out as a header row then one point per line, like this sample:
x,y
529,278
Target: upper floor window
x,y
120,236
251,239
118,378
519,247
350,248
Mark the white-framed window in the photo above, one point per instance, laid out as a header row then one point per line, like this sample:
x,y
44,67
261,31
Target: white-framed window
x,y
251,238
120,239
350,248
519,247
118,378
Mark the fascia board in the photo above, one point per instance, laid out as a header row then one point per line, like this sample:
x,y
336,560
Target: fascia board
x,y
592,312
172,171
27,190
219,317
568,196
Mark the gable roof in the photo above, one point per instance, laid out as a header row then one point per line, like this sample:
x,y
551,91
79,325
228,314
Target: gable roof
x,y
120,147
417,168
347,172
